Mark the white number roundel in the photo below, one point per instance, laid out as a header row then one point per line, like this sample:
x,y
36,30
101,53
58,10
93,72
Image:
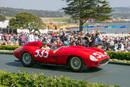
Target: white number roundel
x,y
43,53
98,54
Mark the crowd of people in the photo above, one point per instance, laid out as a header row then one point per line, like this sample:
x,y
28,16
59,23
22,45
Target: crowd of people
x,y
57,39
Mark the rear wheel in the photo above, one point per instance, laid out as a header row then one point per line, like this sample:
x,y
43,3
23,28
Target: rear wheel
x,y
27,59
76,64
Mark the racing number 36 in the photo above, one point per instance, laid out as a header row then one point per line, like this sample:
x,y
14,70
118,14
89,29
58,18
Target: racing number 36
x,y
43,53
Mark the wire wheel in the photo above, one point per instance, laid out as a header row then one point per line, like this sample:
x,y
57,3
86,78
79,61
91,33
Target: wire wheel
x,y
27,59
75,64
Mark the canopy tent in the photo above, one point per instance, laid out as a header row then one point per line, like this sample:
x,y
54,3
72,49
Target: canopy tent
x,y
115,27
123,26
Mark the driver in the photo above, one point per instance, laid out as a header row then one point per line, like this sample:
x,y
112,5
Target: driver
x,y
44,46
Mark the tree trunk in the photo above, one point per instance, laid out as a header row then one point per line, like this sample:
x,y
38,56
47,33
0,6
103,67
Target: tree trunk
x,y
81,25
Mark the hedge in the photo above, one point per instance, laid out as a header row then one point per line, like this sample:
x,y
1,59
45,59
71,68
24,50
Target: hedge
x,y
8,47
23,79
119,55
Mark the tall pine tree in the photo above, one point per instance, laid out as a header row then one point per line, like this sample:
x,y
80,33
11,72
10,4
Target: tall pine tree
x,y
83,10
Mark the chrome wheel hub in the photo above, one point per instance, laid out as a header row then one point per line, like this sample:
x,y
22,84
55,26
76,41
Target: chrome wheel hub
x,y
26,58
75,63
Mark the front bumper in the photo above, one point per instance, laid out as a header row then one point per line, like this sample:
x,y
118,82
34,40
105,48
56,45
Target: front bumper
x,y
103,61
100,62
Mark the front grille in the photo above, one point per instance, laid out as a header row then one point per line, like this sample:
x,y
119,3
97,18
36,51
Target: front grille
x,y
104,61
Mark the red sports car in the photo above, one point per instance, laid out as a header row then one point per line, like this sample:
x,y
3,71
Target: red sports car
x,y
74,57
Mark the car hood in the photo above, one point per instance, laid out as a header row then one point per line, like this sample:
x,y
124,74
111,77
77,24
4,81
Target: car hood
x,y
82,49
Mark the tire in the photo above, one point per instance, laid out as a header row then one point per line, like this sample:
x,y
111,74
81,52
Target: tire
x,y
76,64
27,59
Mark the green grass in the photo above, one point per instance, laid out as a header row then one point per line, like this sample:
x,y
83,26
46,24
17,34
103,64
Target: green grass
x,y
120,61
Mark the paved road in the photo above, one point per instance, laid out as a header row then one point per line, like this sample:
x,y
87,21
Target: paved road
x,y
108,74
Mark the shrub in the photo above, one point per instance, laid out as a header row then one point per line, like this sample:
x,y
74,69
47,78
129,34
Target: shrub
x,y
22,79
119,55
8,47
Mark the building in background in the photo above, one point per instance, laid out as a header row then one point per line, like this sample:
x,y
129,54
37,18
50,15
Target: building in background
x,y
4,26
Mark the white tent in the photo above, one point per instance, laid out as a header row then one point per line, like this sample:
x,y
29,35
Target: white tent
x,y
4,24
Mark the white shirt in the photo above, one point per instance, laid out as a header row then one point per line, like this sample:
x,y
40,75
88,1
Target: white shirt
x,y
31,38
116,47
122,47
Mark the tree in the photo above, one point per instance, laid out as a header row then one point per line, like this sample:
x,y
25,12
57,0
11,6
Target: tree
x,y
84,10
26,21
2,17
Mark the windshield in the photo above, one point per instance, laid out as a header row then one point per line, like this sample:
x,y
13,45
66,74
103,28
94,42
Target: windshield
x,y
57,48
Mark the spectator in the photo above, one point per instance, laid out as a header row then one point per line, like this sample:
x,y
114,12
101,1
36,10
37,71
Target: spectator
x,y
57,39
98,41
31,37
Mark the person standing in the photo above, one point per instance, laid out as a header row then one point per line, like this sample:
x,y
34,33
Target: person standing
x,y
31,37
98,41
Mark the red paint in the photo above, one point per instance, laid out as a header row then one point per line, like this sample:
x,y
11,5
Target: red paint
x,y
61,55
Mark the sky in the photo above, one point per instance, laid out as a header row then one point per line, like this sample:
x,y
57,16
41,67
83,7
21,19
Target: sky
x,y
51,4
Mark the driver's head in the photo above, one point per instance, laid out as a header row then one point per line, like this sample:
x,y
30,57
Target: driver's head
x,y
44,43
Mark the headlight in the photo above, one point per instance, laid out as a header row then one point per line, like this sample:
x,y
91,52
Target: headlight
x,y
93,58
106,53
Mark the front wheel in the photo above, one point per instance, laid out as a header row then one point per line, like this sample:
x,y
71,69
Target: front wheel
x,y
76,64
27,59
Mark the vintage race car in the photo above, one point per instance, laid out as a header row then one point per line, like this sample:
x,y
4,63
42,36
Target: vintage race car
x,y
75,57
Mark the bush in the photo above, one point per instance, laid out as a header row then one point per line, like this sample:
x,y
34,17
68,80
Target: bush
x,y
22,79
119,55
8,47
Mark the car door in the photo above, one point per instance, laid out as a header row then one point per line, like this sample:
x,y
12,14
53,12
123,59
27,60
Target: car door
x,y
55,56
51,58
